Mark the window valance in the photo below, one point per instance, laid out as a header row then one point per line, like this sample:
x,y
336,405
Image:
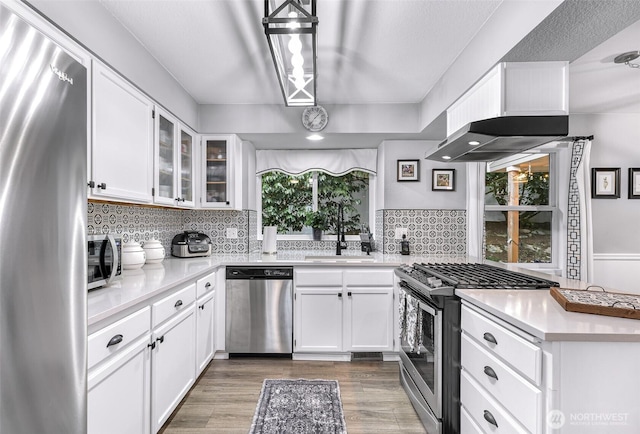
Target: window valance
x,y
333,161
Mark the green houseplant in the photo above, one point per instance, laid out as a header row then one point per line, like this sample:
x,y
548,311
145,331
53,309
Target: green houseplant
x,y
317,220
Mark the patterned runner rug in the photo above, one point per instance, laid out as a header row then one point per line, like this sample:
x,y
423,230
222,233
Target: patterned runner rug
x,y
300,407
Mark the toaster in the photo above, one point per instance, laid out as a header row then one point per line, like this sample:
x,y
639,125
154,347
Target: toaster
x,y
190,244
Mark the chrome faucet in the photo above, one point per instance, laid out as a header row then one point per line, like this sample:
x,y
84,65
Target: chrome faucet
x,y
340,241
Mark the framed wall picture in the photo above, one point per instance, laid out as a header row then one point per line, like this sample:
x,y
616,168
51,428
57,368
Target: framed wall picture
x,y
443,179
634,183
605,183
408,170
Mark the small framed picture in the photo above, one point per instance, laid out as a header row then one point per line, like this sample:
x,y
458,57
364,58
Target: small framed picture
x,y
634,183
443,179
408,170
605,183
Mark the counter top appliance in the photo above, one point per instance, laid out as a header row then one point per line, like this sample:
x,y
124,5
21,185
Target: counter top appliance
x,y
430,332
43,233
190,244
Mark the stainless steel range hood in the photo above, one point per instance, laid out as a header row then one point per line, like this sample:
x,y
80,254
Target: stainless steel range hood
x,y
495,138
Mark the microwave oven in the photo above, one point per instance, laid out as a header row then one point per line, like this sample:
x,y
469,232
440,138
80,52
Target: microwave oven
x,y
104,254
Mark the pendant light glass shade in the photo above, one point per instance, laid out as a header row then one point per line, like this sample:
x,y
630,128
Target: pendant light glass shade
x,y
291,29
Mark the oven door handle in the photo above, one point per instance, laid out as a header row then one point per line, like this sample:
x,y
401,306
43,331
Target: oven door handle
x,y
427,308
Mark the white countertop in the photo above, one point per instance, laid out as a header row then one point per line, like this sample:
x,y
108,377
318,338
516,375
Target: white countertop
x,y
538,314
137,286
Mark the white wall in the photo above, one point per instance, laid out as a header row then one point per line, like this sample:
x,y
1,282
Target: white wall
x,y
416,195
616,231
94,27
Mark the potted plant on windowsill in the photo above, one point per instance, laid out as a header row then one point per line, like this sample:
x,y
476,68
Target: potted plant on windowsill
x,y
318,222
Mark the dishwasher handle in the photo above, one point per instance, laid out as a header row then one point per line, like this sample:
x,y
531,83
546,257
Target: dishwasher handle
x,y
259,273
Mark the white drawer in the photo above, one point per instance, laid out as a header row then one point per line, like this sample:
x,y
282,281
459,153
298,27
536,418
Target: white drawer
x,y
369,277
174,303
206,284
113,338
467,424
516,394
318,277
513,349
482,409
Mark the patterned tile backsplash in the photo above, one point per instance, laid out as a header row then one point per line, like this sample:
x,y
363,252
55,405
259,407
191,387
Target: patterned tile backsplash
x,y
428,231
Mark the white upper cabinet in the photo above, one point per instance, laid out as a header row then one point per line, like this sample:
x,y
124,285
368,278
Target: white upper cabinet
x,y
122,139
221,175
174,162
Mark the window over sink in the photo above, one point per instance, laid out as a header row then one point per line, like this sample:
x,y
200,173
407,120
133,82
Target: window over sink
x,y
299,203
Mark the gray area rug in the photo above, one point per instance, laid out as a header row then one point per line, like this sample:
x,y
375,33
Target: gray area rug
x,y
300,407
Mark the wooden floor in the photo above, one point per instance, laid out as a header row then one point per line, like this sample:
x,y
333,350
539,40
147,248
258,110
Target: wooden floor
x,y
225,396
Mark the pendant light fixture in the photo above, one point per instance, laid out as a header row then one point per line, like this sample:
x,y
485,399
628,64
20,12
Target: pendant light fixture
x,y
291,29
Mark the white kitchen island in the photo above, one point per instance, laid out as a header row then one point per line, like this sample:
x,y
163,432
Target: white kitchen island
x,y
530,366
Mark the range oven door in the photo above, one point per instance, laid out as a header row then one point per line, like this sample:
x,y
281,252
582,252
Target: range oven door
x,y
421,345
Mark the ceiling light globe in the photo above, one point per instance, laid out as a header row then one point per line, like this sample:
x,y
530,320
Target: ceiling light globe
x,y
295,45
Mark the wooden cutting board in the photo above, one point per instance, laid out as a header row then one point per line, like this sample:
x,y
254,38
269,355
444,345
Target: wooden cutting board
x,y
598,302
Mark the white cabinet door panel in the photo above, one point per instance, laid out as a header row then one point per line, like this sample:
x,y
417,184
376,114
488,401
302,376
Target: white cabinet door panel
x,y
204,332
369,319
118,393
318,319
122,136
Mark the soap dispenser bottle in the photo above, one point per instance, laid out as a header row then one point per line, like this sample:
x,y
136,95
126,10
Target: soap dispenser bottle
x,y
404,245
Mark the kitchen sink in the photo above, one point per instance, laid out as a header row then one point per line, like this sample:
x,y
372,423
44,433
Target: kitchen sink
x,y
339,258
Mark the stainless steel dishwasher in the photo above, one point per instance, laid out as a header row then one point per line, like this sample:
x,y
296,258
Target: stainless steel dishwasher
x,y
259,310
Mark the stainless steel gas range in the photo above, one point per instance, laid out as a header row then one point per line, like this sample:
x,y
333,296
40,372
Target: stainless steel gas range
x,y
430,333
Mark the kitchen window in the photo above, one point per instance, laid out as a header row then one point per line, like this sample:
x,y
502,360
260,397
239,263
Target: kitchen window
x,y
521,210
291,201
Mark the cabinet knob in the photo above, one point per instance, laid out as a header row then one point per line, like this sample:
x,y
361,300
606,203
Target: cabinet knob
x,y
339,295
490,338
488,370
115,340
207,285
152,345
201,307
102,186
349,293
178,304
160,339
91,184
489,418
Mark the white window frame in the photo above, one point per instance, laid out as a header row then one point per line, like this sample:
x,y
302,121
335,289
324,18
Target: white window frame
x,y
557,224
301,237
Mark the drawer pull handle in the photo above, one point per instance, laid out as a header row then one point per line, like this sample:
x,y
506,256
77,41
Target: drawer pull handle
x,y
115,340
178,304
207,285
490,338
489,418
490,372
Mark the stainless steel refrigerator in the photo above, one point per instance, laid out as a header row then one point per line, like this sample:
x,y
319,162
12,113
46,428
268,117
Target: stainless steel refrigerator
x,y
43,221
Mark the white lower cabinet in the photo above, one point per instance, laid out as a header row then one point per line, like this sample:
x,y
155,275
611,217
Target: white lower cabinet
x,y
318,319
172,363
205,332
118,392
343,309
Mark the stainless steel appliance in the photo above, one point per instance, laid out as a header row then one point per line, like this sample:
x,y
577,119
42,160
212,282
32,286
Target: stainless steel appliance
x,y
430,333
43,225
259,310
104,254
190,244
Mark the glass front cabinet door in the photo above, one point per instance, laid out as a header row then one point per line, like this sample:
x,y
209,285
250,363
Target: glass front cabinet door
x,y
174,162
217,176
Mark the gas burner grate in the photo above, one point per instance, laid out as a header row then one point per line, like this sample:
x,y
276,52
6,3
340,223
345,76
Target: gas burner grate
x,y
481,276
